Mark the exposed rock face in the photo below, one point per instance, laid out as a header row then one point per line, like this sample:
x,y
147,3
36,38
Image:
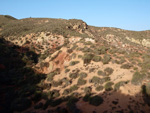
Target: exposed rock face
x,y
81,27
57,60
143,42
133,40
146,42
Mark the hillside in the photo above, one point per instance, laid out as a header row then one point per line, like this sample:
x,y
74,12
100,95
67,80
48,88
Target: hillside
x,y
66,66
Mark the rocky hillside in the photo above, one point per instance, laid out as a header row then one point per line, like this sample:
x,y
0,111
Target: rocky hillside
x,y
66,66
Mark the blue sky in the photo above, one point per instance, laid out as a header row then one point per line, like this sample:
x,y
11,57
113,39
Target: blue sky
x,y
125,14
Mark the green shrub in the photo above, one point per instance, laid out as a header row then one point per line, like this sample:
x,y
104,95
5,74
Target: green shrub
x,y
72,63
50,94
121,61
73,55
87,58
80,56
108,71
95,80
74,46
97,58
100,72
105,79
75,94
108,86
56,83
96,100
50,76
86,97
87,90
69,50
55,93
137,78
81,81
66,81
126,66
99,88
83,75
106,59
66,92
148,88
101,50
113,50
146,62
67,70
73,88
91,70
71,105
73,75
86,49
118,85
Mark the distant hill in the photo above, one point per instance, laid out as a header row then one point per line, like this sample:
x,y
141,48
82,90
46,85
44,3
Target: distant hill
x,y
4,19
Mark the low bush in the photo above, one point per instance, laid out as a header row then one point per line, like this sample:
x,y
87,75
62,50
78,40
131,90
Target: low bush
x,y
108,71
95,80
100,72
55,93
97,58
118,85
81,81
99,88
83,75
69,50
86,49
74,55
66,81
50,76
106,59
87,90
137,78
56,83
121,61
86,97
80,56
71,105
126,66
91,70
50,94
67,70
87,58
73,88
101,50
105,79
96,100
72,63
73,75
146,89
66,92
108,86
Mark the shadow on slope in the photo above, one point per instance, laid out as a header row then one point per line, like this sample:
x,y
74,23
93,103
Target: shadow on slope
x,y
19,91
17,80
106,102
